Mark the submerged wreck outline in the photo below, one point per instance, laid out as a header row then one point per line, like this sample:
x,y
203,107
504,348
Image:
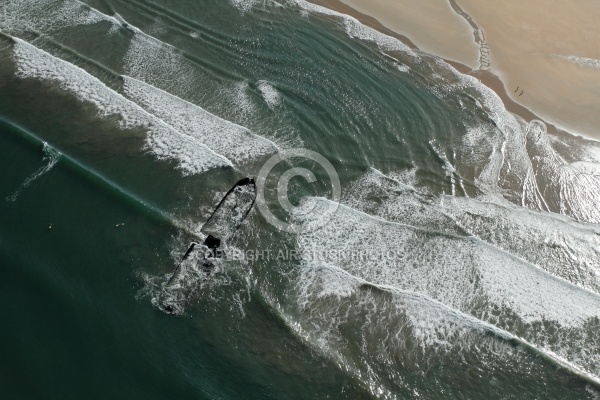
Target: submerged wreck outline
x,y
216,234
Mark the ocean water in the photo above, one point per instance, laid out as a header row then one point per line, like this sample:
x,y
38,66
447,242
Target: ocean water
x,y
462,258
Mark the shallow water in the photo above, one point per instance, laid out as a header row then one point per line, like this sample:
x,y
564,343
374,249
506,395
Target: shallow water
x,y
461,260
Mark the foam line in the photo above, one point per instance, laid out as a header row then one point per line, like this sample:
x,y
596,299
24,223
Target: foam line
x,y
146,50
162,140
357,30
139,56
484,206
555,243
423,309
470,277
423,297
186,26
47,15
426,232
234,141
224,137
464,273
488,285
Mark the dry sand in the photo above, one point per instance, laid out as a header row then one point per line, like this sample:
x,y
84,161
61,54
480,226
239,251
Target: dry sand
x,y
550,49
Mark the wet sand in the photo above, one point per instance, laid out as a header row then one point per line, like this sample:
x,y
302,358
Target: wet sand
x,y
528,43
432,25
546,48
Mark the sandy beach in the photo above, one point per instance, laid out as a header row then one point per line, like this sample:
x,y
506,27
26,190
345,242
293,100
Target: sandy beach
x,y
545,48
433,26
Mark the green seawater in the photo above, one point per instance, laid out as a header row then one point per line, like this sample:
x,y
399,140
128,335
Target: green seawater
x,y
110,111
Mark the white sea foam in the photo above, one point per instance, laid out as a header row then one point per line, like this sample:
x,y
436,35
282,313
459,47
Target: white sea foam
x,y
449,169
403,68
451,81
393,328
433,324
244,5
162,140
233,141
496,149
573,186
581,61
45,15
356,29
593,392
157,28
269,93
392,325
463,273
387,43
160,64
147,58
522,165
452,269
558,244
191,279
237,98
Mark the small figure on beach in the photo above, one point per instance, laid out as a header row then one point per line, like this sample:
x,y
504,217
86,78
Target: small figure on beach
x,y
520,93
516,90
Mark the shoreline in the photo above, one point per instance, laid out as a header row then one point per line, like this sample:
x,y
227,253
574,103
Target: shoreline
x,y
486,77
